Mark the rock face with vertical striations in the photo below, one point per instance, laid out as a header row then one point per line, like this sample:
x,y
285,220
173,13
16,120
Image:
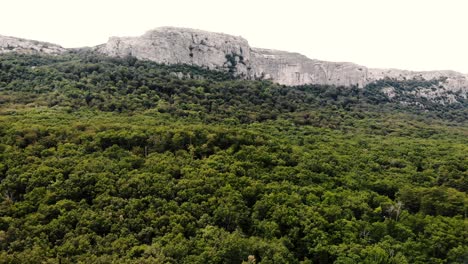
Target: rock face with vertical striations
x,y
219,51
296,69
25,46
169,45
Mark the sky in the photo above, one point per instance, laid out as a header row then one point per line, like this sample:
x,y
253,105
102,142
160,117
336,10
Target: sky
x,y
404,34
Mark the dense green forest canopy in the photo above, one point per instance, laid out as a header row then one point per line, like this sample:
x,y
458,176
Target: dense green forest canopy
x,y
106,160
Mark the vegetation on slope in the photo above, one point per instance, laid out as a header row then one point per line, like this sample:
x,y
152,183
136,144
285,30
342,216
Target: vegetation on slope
x,y
117,160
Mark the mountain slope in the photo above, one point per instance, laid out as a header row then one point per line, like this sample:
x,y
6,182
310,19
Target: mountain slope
x,y
222,52
127,84
225,52
119,160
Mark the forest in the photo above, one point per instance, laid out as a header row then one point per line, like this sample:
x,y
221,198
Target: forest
x,y
117,160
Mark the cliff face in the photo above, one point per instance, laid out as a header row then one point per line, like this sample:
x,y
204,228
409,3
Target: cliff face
x,y
296,69
230,53
25,46
217,51
454,81
225,52
185,46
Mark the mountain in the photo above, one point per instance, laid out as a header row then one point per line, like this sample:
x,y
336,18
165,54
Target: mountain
x,y
120,160
219,51
233,54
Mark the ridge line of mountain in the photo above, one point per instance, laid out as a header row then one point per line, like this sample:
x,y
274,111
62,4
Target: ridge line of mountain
x,y
220,51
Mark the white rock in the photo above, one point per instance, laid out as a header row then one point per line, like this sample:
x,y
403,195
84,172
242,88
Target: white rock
x,y
184,46
25,46
219,51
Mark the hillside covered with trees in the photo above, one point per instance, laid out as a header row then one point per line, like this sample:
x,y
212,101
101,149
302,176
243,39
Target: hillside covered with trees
x,y
106,160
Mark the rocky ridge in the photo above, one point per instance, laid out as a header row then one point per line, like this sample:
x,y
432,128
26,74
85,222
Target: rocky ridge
x,y
26,46
218,51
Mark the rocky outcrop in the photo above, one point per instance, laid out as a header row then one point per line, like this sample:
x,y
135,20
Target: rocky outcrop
x,y
169,45
219,51
296,69
25,46
453,81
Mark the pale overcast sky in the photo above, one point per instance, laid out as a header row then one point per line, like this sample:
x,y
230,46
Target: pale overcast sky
x,y
406,34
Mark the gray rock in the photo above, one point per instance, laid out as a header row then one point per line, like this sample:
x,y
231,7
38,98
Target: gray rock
x,y
455,81
25,46
296,69
219,51
169,45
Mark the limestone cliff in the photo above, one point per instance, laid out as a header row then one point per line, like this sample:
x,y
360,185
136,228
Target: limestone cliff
x,y
169,45
454,81
11,44
296,69
219,51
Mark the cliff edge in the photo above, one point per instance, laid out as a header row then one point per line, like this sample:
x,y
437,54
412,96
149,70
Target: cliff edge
x,y
26,46
218,51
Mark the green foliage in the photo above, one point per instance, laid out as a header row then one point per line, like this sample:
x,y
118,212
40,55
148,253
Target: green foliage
x,y
108,160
